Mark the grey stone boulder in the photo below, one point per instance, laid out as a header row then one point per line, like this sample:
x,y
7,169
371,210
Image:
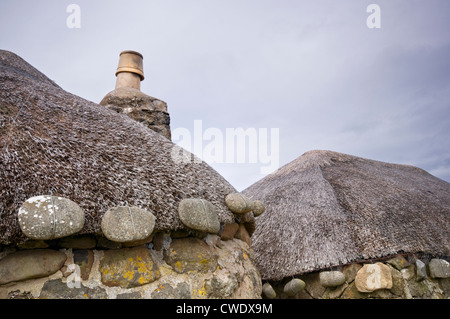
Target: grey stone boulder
x,y
30,264
49,217
293,287
199,214
421,270
258,207
398,262
127,224
191,254
238,203
331,279
268,291
439,268
56,289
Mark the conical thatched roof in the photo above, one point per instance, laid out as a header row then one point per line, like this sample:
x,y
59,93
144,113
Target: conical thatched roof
x,y
53,142
326,209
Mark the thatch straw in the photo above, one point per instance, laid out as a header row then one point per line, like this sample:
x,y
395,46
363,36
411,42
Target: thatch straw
x,y
326,209
53,142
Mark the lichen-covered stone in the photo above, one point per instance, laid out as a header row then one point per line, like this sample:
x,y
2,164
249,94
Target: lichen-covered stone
x,y
56,289
48,217
223,284
127,224
29,264
128,267
331,278
439,268
258,208
293,287
199,214
373,277
190,254
399,262
238,203
268,291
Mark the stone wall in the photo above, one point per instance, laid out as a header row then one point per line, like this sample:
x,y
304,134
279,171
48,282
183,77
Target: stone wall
x,y
170,265
395,278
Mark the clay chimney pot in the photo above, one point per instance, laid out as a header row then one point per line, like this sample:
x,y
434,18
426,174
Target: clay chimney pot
x,y
130,71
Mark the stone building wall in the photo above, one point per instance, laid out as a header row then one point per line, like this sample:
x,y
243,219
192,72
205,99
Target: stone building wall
x,y
171,265
396,278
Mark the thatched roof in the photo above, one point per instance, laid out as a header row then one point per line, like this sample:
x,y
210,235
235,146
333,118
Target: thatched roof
x,y
326,209
53,142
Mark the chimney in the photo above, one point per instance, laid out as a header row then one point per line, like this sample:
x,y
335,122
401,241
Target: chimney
x,y
130,71
127,97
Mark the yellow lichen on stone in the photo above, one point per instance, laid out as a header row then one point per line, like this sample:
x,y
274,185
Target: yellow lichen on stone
x,y
129,275
133,270
202,291
142,280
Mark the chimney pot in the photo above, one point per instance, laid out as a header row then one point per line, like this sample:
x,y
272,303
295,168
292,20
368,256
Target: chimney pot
x,y
130,71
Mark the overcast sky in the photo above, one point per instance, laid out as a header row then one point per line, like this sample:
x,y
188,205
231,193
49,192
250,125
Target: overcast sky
x,y
310,68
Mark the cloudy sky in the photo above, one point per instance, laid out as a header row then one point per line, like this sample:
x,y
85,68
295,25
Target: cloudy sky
x,y
312,69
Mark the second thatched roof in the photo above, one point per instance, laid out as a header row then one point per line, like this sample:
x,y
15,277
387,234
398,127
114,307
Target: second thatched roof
x,y
326,209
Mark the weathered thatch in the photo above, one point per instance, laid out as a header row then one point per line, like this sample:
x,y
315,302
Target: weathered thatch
x,y
326,209
53,142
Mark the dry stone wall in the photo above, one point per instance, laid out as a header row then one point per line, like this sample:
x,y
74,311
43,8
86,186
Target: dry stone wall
x,y
395,278
169,266
130,259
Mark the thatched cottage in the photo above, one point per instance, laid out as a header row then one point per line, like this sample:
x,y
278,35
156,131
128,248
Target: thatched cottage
x,y
92,198
340,226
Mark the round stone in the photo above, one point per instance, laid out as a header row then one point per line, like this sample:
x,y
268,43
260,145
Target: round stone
x,y
127,224
331,278
268,291
258,208
199,214
294,286
49,217
238,203
30,264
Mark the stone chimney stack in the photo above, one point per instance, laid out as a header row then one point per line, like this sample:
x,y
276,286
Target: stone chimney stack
x,y
127,97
